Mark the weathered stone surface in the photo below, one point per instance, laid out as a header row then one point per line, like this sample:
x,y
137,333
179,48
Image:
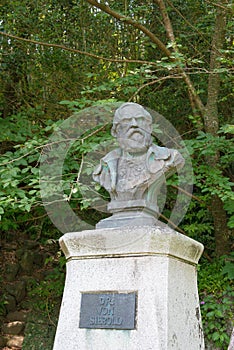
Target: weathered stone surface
x,y
28,244
38,259
17,315
2,318
26,261
16,341
158,264
19,252
17,290
231,344
13,328
10,303
11,272
137,241
3,341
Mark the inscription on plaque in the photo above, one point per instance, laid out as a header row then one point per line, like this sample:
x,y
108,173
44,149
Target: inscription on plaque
x,y
108,310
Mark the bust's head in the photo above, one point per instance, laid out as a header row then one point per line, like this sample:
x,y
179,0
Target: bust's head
x,y
132,126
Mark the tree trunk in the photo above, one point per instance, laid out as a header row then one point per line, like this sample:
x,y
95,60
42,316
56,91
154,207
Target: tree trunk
x,y
222,244
211,123
209,112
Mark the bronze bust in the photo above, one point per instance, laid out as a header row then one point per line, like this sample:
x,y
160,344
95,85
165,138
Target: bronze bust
x,y
134,173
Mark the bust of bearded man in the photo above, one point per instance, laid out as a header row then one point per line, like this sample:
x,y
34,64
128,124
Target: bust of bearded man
x,y
134,173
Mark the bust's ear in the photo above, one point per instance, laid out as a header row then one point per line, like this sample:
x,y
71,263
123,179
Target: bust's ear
x,y
114,130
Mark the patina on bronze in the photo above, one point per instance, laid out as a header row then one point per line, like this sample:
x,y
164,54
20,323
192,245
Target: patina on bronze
x,y
110,310
134,173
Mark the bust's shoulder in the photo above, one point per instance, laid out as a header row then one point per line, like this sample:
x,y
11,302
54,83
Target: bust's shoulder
x,y
114,154
159,153
165,158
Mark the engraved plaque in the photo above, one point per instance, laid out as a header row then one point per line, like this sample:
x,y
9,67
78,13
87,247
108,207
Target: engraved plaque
x,y
110,310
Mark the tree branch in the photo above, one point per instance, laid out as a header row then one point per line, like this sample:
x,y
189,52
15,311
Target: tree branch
x,y
56,142
194,98
187,22
219,5
192,92
133,23
166,20
154,82
65,48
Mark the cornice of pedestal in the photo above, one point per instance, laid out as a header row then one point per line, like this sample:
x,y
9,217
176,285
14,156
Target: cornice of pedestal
x,y
158,240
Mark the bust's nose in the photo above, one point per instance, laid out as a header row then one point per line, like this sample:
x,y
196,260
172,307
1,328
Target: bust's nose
x,y
134,122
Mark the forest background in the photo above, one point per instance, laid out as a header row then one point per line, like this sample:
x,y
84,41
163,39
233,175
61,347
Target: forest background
x,y
175,57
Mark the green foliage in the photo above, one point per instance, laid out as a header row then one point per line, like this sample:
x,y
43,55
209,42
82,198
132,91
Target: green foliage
x,y
198,222
20,198
34,78
46,293
19,189
228,268
209,180
216,295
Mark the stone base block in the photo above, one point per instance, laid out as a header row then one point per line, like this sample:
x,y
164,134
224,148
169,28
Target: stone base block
x,y
157,264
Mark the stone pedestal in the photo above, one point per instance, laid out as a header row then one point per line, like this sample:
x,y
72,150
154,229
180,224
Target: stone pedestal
x,y
156,263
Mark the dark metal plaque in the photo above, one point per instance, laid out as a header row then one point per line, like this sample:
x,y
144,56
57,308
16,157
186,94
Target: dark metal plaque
x,y
111,310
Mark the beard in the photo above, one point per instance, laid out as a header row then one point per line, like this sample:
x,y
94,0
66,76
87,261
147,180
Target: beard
x,y
135,140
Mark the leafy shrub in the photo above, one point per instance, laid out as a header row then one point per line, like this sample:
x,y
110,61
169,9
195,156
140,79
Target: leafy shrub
x,y
216,295
48,292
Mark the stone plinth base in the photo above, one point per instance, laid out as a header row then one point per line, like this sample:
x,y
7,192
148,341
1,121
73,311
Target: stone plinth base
x,y
156,263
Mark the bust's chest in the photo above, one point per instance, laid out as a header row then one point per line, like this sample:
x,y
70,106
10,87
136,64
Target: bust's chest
x,y
132,172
